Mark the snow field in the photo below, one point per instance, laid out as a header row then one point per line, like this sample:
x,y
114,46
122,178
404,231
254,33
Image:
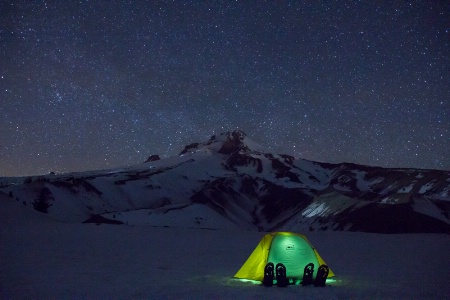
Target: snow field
x,y
43,258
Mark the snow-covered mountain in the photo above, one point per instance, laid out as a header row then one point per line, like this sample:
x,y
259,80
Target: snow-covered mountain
x,y
230,181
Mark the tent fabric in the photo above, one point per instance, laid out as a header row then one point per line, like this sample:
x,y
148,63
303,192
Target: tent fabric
x,y
292,249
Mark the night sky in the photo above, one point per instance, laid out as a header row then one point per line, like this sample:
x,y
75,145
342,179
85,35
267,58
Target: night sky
x,y
97,84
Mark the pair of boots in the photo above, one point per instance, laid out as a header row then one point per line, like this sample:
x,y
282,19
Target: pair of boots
x,y
282,280
321,277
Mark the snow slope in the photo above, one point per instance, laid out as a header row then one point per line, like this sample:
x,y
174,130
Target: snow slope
x,y
46,259
229,181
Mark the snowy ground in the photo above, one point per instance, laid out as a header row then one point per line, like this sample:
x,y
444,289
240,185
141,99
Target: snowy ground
x,y
43,258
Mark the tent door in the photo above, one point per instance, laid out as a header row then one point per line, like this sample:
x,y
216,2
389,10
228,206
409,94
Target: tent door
x,y
294,252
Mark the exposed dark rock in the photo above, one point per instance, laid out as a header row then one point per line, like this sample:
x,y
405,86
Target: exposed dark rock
x,y
189,147
44,200
243,159
233,143
283,170
249,186
153,157
288,158
277,200
387,218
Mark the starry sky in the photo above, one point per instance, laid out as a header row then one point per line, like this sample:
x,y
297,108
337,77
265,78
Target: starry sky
x,y
88,85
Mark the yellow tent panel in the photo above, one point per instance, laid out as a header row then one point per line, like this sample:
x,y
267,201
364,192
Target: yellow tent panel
x,y
292,249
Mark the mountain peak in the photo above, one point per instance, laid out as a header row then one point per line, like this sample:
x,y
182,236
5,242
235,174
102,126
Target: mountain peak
x,y
232,141
226,143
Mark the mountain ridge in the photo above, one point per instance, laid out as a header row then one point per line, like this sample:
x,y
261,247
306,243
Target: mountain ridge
x,y
229,181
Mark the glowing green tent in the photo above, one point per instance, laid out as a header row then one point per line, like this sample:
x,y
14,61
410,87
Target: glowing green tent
x,y
292,249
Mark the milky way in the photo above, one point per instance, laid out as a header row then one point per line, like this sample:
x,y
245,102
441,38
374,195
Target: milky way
x,y
96,84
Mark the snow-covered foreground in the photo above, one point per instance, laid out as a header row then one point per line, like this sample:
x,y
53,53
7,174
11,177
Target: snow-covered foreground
x,y
42,258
